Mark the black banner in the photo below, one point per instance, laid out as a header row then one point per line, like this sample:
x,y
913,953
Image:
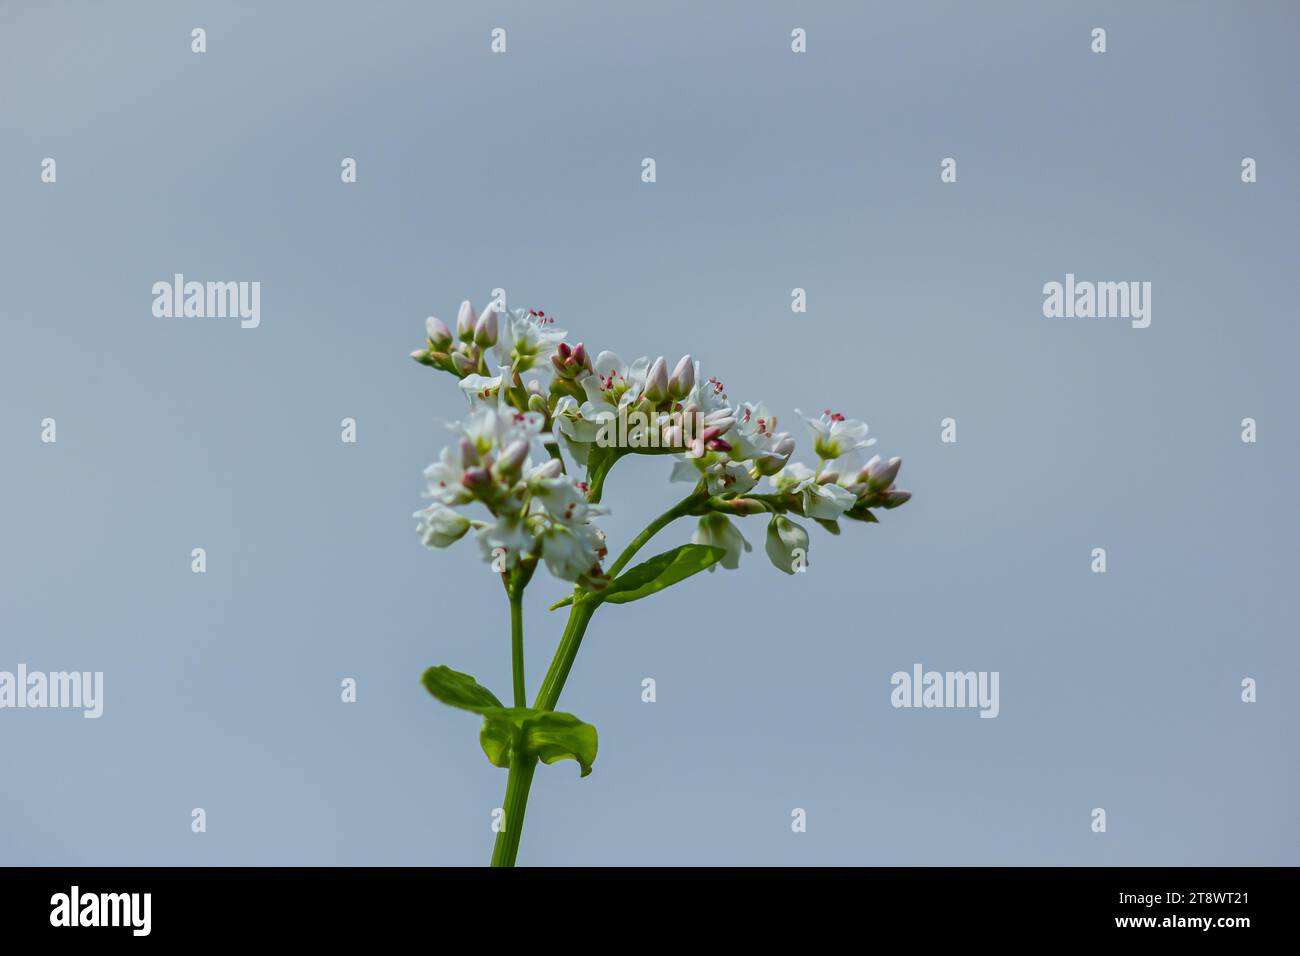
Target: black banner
x,y
1170,905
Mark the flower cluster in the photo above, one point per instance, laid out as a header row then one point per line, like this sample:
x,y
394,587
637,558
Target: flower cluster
x,y
537,512
509,456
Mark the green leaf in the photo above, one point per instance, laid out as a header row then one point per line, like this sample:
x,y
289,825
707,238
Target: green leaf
x,y
553,736
545,734
459,690
562,602
660,572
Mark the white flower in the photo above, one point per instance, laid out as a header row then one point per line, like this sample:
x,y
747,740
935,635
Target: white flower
x,y
559,496
820,500
754,432
717,530
528,340
481,388
835,436
439,526
572,551
728,476
787,544
827,501
443,480
505,541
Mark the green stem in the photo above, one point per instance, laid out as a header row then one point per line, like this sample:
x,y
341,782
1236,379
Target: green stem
x,y
517,644
682,508
548,695
517,785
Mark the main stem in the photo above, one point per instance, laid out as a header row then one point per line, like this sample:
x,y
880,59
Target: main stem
x,y
517,784
517,644
520,778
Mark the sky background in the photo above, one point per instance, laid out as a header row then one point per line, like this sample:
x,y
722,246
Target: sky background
x,y
775,171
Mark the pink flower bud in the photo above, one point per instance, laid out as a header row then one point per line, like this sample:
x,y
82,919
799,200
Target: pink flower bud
x,y
439,334
864,475
485,330
463,364
512,459
551,469
656,382
465,322
892,499
883,477
683,379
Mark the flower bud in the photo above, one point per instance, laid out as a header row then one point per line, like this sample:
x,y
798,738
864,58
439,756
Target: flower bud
x,y
892,499
438,333
787,545
465,322
552,468
485,330
463,364
537,403
476,479
656,382
468,454
683,379
441,527
424,357
883,477
864,474
739,506
512,459
580,358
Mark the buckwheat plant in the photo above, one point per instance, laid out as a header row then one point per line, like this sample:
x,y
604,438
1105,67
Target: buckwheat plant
x,y
533,400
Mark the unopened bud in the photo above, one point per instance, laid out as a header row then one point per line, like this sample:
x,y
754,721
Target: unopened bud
x,y
892,499
476,478
485,330
537,403
512,459
463,364
468,454
553,468
864,474
438,333
656,381
465,322
683,379
884,476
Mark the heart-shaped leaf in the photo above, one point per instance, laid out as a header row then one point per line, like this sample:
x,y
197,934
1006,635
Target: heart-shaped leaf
x,y
545,734
661,571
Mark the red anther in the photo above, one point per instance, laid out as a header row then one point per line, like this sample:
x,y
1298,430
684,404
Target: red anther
x,y
582,486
